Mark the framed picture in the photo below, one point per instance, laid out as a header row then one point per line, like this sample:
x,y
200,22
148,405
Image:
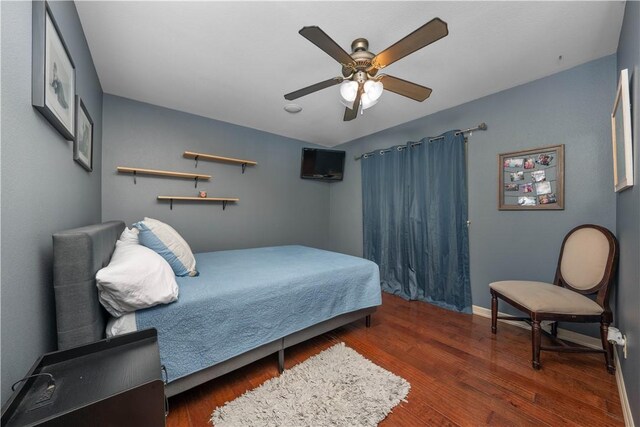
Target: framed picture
x,y
53,79
83,143
531,179
621,136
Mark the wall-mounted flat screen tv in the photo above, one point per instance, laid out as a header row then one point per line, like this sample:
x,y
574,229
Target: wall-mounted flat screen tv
x,y
325,165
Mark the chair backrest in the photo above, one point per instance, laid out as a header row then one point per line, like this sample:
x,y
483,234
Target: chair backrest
x,y
588,260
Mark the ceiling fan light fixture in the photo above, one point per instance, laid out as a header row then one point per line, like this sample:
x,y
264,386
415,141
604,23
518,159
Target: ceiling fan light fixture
x,y
373,89
367,101
348,91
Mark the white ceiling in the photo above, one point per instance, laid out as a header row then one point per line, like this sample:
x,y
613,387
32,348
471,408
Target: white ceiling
x,y
234,61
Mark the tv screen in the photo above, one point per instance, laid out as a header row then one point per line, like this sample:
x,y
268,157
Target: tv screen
x,y
326,165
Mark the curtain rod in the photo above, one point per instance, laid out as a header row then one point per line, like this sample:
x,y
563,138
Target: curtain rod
x,y
481,126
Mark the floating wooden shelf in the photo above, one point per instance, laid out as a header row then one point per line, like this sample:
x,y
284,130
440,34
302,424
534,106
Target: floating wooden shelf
x,y
203,156
135,171
224,200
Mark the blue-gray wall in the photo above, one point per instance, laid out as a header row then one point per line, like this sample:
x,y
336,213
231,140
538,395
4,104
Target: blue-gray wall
x,y
570,108
628,217
43,189
276,207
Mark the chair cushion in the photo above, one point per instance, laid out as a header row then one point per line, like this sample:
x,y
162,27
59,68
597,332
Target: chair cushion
x,y
584,258
543,297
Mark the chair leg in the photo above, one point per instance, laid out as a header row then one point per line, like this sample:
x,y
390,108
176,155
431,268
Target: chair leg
x,y
554,329
494,313
607,347
535,344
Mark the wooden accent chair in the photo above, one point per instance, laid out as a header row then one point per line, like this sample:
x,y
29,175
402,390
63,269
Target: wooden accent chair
x,y
587,264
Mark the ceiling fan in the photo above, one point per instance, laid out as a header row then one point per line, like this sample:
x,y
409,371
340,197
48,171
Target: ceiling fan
x,y
361,86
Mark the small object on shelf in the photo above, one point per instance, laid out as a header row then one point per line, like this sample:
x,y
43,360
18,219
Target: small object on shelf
x,y
211,157
224,200
202,194
136,171
117,381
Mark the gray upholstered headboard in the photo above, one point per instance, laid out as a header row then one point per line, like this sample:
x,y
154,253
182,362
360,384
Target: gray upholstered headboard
x,y
78,254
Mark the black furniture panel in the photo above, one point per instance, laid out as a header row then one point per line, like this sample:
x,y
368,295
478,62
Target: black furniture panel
x,y
112,382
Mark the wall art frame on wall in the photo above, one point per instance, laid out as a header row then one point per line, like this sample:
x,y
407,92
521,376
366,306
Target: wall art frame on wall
x,y
621,136
531,179
53,76
83,142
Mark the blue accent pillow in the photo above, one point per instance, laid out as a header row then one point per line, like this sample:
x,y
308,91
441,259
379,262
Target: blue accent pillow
x,y
168,243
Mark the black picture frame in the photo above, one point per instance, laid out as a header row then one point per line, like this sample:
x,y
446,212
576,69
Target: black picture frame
x,y
79,154
53,108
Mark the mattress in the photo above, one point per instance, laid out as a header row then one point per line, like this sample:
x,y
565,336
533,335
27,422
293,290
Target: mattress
x,y
243,299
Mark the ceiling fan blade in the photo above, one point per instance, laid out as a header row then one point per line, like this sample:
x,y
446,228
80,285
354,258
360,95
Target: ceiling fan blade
x,y
349,114
318,37
430,32
405,88
313,88
352,113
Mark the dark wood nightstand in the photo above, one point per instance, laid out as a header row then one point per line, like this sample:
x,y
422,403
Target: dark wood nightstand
x,y
112,382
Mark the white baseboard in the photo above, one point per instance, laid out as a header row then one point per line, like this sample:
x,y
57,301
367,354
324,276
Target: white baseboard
x,y
622,391
563,334
577,338
581,339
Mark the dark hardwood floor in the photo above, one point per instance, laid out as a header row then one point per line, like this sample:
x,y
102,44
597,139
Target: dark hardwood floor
x,y
460,373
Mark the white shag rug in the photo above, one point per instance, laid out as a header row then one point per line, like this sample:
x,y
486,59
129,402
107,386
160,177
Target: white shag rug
x,y
337,387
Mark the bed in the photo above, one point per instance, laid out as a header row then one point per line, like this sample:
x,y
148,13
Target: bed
x,y
244,305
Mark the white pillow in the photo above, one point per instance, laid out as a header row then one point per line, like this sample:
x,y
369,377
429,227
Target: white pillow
x,y
135,278
169,244
121,325
130,235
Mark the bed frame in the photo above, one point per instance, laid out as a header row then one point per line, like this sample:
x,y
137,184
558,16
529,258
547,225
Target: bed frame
x,y
79,253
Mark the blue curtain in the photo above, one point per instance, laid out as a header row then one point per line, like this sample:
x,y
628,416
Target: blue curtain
x,y
415,220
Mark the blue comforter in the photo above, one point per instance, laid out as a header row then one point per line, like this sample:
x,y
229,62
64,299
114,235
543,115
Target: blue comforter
x,y
243,299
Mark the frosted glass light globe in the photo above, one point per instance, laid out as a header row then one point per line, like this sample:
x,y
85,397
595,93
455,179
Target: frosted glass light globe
x,y
349,90
367,102
373,89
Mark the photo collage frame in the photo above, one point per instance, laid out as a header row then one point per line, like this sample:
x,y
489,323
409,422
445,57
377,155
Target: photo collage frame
x,y
531,179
